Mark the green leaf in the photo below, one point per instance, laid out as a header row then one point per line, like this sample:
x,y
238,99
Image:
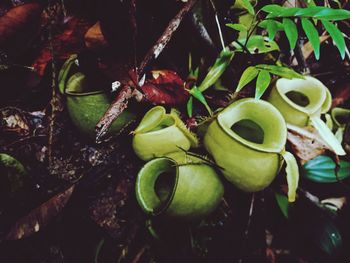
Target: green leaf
x,y
327,135
219,67
262,83
197,93
280,71
336,35
285,12
291,32
264,23
273,9
312,35
333,14
248,6
248,75
272,28
292,171
322,170
256,45
238,27
190,107
309,12
283,204
13,173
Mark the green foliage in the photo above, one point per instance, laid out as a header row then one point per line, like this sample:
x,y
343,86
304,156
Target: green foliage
x,y
337,37
247,5
283,204
262,83
255,45
312,34
322,170
287,15
215,72
263,72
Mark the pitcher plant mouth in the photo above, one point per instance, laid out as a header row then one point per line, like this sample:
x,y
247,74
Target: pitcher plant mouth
x,y
157,120
156,185
269,133
307,95
70,74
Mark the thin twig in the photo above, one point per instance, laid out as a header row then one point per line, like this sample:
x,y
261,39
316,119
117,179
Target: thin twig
x,y
127,92
155,51
246,232
116,108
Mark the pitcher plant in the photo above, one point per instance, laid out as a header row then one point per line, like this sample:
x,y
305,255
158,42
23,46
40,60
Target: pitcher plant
x,y
340,118
86,108
181,187
247,139
160,133
301,102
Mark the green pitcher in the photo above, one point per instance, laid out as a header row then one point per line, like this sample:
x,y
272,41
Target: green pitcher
x,y
301,102
181,187
247,141
86,108
340,118
160,133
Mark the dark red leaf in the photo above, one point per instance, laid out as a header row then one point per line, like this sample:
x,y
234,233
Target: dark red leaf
x,y
69,42
165,88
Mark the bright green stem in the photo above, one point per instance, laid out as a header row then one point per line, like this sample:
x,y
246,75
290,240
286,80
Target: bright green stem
x,y
292,172
327,135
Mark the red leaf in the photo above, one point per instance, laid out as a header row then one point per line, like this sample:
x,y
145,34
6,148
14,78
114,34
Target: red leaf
x,y
165,88
69,42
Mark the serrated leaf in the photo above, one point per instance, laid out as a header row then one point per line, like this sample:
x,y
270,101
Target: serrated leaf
x,y
283,204
336,35
280,71
322,170
312,34
291,32
248,75
262,83
248,6
219,67
257,45
238,27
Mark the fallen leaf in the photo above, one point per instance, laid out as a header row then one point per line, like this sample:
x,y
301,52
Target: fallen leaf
x,y
306,143
94,38
40,216
19,122
165,87
70,41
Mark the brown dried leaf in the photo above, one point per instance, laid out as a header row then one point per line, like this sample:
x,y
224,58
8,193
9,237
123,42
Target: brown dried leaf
x,y
40,216
94,38
306,143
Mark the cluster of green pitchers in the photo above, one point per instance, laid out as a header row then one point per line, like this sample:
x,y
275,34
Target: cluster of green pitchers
x,y
246,140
